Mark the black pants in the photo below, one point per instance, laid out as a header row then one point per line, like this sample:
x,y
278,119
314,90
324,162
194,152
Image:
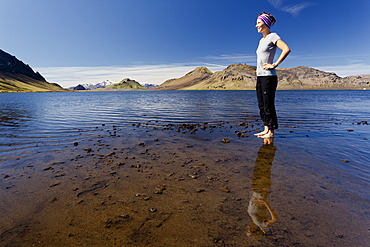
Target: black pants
x,y
266,90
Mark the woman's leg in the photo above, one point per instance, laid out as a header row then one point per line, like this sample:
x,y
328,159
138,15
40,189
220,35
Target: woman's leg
x,y
269,85
260,99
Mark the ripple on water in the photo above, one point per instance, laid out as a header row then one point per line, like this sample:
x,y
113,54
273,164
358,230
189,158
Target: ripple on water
x,y
313,123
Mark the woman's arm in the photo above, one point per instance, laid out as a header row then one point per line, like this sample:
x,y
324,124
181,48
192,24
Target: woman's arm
x,y
285,52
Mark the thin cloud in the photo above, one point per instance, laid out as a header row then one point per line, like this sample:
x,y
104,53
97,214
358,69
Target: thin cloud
x,y
238,58
347,70
293,9
349,58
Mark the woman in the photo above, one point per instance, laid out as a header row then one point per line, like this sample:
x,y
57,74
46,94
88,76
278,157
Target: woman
x,y
266,73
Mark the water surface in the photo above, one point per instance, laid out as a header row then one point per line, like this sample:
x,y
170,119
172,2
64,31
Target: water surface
x,y
328,125
149,168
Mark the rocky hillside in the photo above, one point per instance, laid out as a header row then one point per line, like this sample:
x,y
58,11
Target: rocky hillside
x,y
192,78
125,84
15,76
242,76
309,78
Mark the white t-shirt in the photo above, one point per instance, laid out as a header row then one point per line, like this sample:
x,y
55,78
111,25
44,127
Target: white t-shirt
x,y
265,54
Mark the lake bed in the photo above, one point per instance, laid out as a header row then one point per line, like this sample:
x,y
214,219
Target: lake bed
x,y
182,168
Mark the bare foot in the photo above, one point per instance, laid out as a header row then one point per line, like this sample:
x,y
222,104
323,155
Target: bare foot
x,y
269,134
261,133
264,132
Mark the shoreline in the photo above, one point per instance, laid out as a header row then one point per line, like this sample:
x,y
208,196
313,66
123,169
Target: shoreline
x,y
154,89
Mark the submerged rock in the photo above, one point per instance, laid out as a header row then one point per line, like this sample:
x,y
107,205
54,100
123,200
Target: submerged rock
x,y
225,189
225,140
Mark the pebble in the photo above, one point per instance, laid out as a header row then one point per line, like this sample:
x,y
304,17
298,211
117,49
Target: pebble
x,y
225,189
54,184
125,216
160,188
363,122
60,175
225,140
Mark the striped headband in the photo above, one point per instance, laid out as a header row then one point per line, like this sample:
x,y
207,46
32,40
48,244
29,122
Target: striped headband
x,y
266,19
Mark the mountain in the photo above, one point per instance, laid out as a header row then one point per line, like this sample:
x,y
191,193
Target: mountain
x,y
303,77
15,76
192,78
92,86
103,84
242,76
109,85
79,87
126,84
149,86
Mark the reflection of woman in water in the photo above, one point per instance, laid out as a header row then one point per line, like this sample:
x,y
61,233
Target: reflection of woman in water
x,y
266,73
259,210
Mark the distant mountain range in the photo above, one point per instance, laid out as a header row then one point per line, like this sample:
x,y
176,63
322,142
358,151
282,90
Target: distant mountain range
x,y
108,85
16,76
125,84
103,84
242,76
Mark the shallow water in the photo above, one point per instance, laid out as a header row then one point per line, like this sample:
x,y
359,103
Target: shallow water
x,y
93,161
47,121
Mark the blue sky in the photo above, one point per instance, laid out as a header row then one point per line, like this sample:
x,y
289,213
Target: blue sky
x,y
88,41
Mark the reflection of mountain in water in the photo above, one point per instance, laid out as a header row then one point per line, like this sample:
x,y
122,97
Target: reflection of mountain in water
x,y
259,210
12,117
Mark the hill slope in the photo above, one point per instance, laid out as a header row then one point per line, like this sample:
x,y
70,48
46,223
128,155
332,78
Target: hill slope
x,y
192,78
243,77
125,84
15,76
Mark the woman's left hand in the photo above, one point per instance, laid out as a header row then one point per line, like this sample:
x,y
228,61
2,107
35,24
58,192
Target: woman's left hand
x,y
268,66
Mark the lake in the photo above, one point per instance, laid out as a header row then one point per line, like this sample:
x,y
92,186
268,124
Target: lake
x,y
315,171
